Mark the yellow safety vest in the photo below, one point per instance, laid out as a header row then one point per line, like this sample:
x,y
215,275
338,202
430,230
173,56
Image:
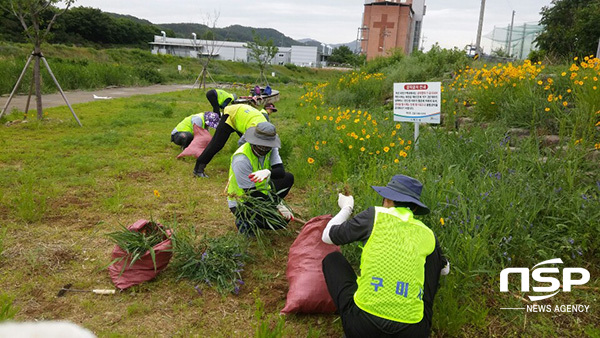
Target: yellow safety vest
x,y
222,96
233,190
392,266
243,116
187,125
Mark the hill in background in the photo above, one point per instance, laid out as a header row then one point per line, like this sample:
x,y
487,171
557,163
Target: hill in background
x,y
87,26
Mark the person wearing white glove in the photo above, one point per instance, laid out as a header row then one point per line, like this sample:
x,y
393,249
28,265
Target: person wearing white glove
x,y
257,169
401,263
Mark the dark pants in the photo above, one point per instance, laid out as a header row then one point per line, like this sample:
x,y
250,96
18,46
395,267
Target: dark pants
x,y
341,283
213,99
283,187
215,145
182,138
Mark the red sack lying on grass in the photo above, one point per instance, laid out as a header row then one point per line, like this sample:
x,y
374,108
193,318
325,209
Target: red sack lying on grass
x,y
308,291
143,269
199,143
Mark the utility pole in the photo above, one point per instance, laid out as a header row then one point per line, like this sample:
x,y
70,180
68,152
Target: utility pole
x,y
512,21
598,51
478,41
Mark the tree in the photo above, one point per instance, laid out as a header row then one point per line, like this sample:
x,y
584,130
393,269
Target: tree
x,y
262,51
344,55
571,27
32,16
209,46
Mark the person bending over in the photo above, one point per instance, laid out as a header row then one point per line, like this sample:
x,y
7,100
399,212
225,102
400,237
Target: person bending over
x,y
219,99
236,118
183,134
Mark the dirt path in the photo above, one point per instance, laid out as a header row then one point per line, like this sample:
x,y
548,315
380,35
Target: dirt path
x,y
74,97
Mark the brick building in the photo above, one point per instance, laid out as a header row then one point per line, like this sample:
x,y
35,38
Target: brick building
x,y
391,24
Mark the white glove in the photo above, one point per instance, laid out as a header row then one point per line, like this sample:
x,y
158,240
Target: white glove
x,y
259,176
445,270
285,212
345,201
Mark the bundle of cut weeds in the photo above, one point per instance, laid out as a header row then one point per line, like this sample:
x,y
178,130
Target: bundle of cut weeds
x,y
216,262
137,243
260,212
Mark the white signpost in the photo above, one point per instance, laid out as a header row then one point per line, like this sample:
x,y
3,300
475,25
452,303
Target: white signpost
x,y
417,102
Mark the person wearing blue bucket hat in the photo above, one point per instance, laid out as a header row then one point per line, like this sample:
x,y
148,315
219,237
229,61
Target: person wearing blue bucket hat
x,y
401,263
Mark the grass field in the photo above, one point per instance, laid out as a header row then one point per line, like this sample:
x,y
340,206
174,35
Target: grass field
x,y
497,200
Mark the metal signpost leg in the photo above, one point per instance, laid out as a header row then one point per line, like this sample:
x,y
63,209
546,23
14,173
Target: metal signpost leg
x,y
60,89
417,135
16,86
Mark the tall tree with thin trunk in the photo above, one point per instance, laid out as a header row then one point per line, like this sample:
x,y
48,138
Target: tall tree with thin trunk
x,y
210,46
31,16
262,51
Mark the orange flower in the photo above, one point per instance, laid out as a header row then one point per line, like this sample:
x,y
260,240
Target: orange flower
x,y
156,193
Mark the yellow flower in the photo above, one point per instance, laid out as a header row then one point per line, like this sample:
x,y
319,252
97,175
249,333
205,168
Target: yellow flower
x,y
597,146
156,193
424,168
564,103
386,149
316,147
378,152
578,141
318,118
324,142
362,148
396,161
547,109
442,221
350,147
398,126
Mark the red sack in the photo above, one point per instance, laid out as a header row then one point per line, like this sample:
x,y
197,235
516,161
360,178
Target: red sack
x,y
308,291
143,269
201,139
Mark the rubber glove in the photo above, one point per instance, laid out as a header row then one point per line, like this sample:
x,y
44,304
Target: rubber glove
x,y
259,176
345,201
285,212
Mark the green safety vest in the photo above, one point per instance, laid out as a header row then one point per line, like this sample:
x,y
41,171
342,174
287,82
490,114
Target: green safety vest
x,y
222,96
187,125
392,266
233,190
243,116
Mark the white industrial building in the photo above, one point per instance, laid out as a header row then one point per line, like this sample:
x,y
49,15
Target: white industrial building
x,y
303,56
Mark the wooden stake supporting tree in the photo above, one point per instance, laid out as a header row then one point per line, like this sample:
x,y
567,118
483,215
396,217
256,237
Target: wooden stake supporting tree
x,y
30,15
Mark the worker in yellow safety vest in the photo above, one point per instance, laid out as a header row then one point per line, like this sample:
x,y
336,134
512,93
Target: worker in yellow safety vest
x,y
236,118
401,263
219,99
255,166
183,134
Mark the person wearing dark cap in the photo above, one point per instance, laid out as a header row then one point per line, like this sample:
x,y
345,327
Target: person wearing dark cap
x,y
183,134
401,263
256,168
219,99
267,110
236,118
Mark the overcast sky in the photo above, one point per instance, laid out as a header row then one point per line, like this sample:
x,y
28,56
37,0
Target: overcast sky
x,y
450,23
